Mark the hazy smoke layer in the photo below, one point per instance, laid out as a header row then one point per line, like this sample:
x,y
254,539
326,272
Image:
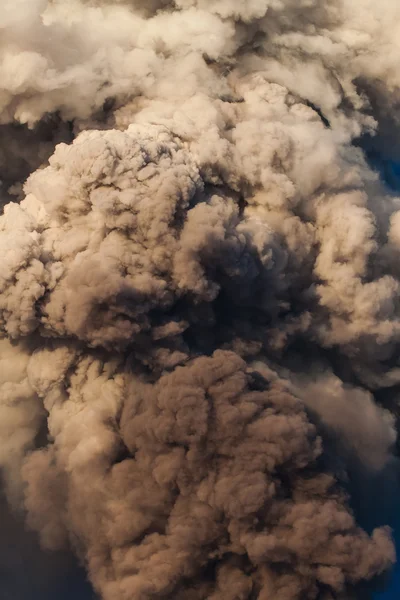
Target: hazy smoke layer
x,y
200,291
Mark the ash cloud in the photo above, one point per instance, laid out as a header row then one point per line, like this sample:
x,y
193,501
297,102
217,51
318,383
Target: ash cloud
x,y
199,292
219,493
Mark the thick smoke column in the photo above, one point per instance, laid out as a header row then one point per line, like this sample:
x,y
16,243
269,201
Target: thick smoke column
x,y
199,291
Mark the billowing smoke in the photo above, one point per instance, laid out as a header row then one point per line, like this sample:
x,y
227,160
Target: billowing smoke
x,y
200,294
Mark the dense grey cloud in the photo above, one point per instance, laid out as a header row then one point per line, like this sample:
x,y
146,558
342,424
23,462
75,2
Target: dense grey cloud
x,y
199,291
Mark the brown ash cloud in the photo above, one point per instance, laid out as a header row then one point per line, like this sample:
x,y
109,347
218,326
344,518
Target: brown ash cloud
x,y
199,293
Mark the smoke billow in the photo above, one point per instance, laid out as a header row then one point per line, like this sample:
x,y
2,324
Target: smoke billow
x,y
200,294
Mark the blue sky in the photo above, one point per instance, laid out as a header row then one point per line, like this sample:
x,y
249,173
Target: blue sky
x,y
391,173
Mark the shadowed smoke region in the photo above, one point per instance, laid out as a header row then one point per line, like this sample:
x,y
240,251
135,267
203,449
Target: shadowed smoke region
x,y
199,299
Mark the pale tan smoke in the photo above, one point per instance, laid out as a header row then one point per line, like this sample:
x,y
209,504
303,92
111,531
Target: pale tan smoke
x,y
183,286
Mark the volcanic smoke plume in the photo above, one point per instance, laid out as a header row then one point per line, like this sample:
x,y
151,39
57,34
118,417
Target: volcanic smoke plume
x,y
199,297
